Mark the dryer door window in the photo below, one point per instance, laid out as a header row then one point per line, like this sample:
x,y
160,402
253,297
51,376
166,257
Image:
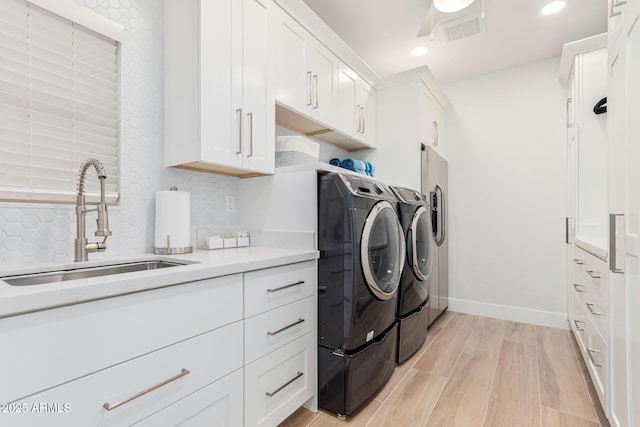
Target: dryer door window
x,y
382,251
422,243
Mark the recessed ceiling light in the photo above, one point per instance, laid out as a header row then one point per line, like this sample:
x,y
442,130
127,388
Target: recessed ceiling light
x,y
553,7
419,51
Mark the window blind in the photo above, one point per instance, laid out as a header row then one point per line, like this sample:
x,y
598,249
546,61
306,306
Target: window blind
x,y
59,104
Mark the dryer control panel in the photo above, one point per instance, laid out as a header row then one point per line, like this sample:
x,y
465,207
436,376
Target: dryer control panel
x,y
367,188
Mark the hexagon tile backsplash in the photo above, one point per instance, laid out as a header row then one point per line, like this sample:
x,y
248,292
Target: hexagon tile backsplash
x,y
31,233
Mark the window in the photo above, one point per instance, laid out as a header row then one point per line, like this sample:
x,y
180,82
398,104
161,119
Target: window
x,y
59,100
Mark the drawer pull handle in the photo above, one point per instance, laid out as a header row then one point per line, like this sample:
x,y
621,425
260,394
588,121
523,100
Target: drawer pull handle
x,y
299,282
581,289
578,326
285,328
279,389
110,407
578,261
593,360
590,307
593,274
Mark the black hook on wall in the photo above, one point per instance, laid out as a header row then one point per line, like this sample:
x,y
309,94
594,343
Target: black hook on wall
x,y
601,106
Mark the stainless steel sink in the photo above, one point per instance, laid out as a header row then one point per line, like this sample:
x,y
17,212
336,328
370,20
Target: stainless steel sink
x,y
88,272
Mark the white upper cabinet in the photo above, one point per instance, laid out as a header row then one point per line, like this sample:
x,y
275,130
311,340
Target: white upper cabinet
x,y
305,71
356,106
318,93
219,103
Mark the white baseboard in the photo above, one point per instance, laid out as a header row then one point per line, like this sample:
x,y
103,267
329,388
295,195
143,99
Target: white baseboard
x,y
507,312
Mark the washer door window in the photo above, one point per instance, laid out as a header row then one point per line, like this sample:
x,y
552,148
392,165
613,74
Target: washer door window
x,y
421,243
382,250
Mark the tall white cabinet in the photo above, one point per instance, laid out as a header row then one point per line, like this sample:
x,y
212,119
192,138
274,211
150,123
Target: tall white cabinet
x,y
408,107
624,209
584,65
219,102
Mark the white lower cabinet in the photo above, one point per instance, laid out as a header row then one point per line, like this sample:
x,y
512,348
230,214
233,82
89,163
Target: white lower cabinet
x,y
180,355
280,382
218,404
590,316
133,390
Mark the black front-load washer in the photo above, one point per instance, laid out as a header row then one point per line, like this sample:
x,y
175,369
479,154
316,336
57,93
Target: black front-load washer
x,y
413,293
362,254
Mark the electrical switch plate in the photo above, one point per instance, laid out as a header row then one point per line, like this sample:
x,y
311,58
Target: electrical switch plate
x,y
231,203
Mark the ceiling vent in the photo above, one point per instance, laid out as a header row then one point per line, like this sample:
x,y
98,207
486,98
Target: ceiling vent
x,y
462,28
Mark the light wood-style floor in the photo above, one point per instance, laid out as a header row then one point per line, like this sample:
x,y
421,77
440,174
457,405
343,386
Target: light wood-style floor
x,y
478,371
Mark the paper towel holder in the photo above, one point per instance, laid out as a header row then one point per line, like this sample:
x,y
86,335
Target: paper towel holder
x,y
168,250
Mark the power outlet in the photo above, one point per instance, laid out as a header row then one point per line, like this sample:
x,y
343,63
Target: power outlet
x,y
231,204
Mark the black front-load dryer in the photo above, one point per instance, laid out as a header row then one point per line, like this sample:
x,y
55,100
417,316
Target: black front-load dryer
x,y
362,254
413,293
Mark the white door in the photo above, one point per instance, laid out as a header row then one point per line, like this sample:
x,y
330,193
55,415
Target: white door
x,y
632,225
616,126
323,66
257,142
219,44
367,102
291,75
348,107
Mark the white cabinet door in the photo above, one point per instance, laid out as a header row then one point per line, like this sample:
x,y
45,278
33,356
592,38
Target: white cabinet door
x,y
258,152
306,72
632,213
292,79
323,66
367,101
616,127
356,106
218,101
349,109
218,404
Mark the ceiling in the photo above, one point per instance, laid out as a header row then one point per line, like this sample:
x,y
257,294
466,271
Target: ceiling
x,y
383,32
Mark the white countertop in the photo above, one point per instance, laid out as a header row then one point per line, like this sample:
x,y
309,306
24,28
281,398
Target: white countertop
x,y
205,264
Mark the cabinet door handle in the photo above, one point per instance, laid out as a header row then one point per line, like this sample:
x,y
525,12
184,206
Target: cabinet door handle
x,y
362,116
279,389
581,290
315,77
359,119
569,121
299,282
612,243
578,261
575,322
593,274
594,312
285,327
110,407
250,118
239,113
435,134
590,352
310,89
615,4
566,230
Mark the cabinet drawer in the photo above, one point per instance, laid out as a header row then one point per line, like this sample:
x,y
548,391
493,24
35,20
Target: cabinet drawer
x,y
167,375
597,309
218,404
579,322
273,287
280,382
70,342
593,271
597,363
268,331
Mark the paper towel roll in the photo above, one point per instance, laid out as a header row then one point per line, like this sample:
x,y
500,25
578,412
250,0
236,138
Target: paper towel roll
x,y
173,211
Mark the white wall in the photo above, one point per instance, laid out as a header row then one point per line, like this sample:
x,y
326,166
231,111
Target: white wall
x,y
31,233
507,192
